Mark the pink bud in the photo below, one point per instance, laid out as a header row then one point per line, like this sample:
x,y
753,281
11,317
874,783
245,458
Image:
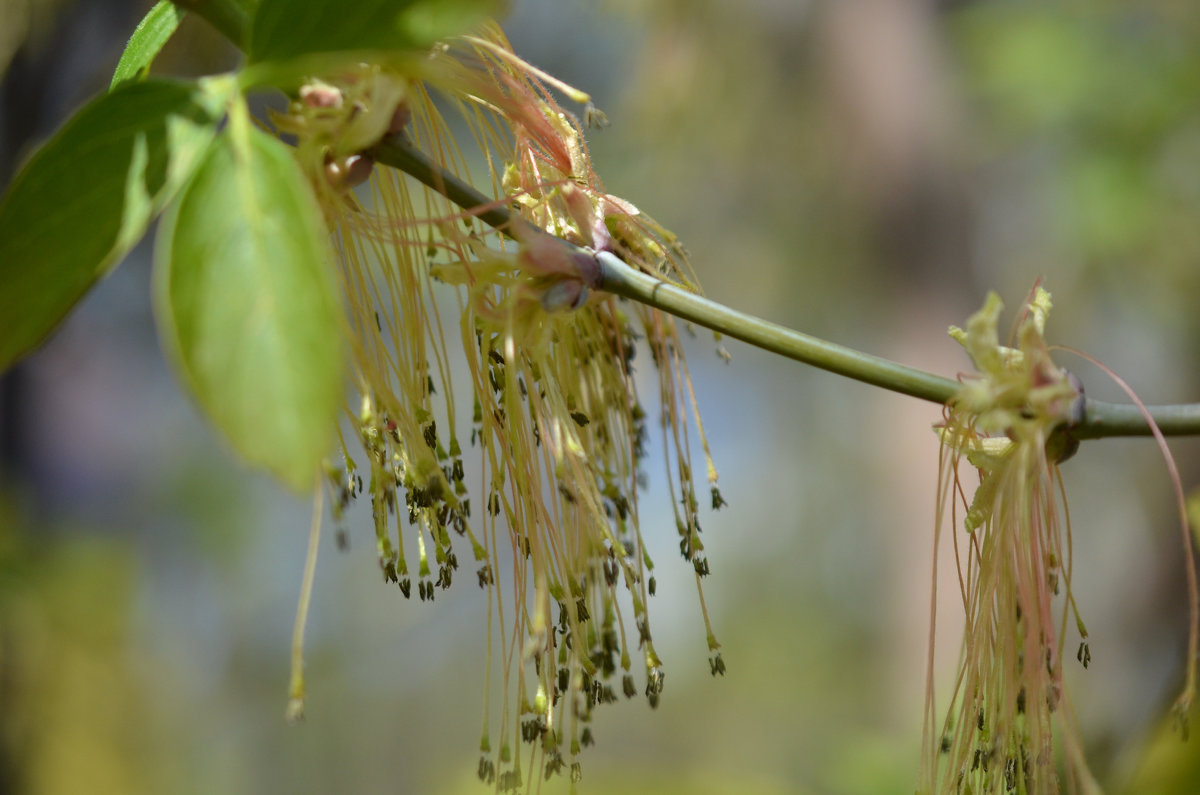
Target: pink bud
x,y
319,95
349,171
543,255
357,170
579,207
564,295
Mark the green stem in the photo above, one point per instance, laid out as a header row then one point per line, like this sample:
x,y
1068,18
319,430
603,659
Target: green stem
x,y
1101,420
1105,419
621,279
397,152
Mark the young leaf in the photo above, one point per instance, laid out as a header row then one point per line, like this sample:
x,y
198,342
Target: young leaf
x,y
247,304
148,38
285,29
87,196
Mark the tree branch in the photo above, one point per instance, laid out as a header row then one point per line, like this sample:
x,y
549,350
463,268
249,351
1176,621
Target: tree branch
x,y
620,279
1102,419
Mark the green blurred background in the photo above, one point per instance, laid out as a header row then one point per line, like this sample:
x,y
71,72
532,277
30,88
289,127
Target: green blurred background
x,y
863,170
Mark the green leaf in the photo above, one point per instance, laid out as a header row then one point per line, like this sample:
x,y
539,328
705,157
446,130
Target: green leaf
x,y
148,38
230,18
286,29
87,196
247,303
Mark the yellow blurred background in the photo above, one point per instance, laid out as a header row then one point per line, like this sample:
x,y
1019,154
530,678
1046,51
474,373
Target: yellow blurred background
x,y
862,170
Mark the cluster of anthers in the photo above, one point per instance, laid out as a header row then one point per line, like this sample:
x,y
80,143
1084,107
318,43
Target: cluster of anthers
x,y
1014,565
560,430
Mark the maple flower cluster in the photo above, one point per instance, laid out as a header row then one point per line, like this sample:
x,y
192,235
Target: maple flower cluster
x,y
1013,556
559,431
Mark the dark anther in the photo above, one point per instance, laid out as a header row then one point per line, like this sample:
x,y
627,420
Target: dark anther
x,y
1084,654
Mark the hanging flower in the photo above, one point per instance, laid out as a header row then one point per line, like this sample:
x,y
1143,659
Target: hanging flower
x,y
1013,554
557,424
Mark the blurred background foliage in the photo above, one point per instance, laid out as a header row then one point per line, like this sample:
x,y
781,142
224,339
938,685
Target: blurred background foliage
x,y
863,170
